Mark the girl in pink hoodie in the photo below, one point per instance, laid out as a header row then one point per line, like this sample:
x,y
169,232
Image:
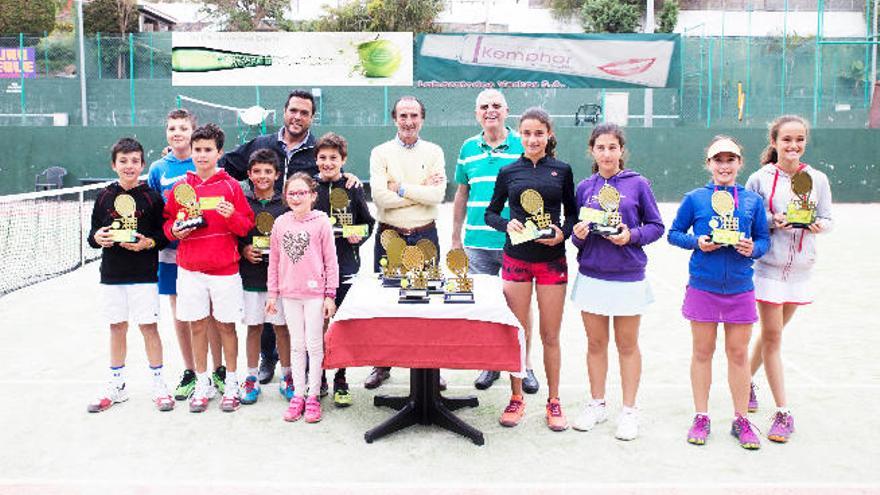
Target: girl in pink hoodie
x,y
303,274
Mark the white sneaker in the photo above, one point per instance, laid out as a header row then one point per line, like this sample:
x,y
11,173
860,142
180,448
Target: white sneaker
x,y
161,397
204,392
593,414
112,394
627,425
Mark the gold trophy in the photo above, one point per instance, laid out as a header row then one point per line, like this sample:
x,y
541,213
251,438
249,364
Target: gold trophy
x,y
725,227
537,226
414,287
341,219
459,290
608,222
801,212
432,267
123,228
264,222
190,214
390,262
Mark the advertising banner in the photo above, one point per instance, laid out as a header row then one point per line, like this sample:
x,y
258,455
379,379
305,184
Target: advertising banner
x,y
291,59
548,60
14,61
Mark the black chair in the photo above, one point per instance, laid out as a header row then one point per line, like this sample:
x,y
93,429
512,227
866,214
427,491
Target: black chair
x,y
51,178
587,113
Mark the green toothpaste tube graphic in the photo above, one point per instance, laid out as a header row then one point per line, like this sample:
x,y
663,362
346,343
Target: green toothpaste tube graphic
x,y
644,63
199,59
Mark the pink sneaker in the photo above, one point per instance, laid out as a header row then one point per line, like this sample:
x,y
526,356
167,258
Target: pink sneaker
x,y
295,409
313,410
782,427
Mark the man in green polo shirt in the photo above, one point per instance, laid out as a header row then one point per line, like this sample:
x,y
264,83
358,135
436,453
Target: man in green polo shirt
x,y
480,159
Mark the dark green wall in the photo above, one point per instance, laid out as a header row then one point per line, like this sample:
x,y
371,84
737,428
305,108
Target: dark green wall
x,y
671,157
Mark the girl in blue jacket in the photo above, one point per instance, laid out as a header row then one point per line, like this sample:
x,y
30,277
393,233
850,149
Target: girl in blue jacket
x,y
726,228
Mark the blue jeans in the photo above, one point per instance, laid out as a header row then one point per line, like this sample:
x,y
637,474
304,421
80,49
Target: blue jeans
x,y
484,261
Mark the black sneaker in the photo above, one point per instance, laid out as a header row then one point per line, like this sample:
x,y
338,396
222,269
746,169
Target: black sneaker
x,y
530,384
341,395
486,379
187,385
267,370
218,378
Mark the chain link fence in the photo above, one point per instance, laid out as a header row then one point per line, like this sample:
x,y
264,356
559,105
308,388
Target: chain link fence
x,y
128,80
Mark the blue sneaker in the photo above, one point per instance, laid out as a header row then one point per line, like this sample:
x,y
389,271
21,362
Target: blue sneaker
x,y
250,390
285,387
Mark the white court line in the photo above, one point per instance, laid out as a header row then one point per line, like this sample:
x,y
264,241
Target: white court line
x,y
405,386
790,365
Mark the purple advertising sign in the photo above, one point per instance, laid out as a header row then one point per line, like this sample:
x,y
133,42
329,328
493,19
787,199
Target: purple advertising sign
x,y
12,64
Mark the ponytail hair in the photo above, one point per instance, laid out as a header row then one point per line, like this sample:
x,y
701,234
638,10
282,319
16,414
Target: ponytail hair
x,y
541,115
769,155
614,130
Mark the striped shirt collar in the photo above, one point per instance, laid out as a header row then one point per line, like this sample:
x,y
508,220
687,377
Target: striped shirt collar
x,y
407,146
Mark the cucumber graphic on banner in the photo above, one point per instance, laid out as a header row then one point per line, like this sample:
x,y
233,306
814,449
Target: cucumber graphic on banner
x,y
291,59
548,60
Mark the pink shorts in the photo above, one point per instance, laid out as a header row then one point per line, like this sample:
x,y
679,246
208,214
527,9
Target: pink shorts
x,y
542,272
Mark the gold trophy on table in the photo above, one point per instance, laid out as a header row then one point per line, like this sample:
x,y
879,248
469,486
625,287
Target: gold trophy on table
x,y
390,262
432,267
123,228
801,212
606,221
536,226
264,222
340,218
190,214
414,285
459,290
725,227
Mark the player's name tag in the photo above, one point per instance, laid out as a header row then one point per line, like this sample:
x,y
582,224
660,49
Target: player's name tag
x,y
354,230
726,237
209,202
592,215
122,235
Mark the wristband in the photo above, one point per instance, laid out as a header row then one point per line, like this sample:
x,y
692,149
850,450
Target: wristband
x,y
401,191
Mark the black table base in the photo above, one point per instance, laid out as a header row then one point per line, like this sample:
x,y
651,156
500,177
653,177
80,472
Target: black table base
x,y
424,406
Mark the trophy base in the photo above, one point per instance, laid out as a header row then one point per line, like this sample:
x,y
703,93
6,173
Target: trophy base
x,y
435,287
800,225
605,230
413,296
391,281
191,223
458,298
546,233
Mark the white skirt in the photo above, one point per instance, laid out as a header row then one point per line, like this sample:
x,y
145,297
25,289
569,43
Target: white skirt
x,y
607,298
773,291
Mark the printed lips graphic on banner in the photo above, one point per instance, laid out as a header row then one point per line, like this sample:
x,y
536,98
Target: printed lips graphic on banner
x,y
629,67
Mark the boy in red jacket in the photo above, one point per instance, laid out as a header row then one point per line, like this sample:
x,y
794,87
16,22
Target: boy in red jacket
x,y
207,257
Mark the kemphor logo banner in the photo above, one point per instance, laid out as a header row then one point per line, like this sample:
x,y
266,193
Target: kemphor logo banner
x,y
547,60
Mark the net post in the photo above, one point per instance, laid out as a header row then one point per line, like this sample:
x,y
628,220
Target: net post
x,y
82,230
131,75
21,73
100,62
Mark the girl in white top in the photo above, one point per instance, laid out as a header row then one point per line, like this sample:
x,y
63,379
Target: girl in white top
x,y
782,275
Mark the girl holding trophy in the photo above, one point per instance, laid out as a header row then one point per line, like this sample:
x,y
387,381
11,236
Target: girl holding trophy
x,y
725,226
797,201
618,215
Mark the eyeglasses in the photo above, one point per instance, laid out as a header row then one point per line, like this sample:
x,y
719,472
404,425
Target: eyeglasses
x,y
495,106
299,194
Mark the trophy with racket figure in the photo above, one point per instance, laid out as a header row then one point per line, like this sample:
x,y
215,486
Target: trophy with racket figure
x,y
459,290
604,222
190,214
801,212
414,285
391,261
341,219
264,222
537,225
125,225
725,226
432,266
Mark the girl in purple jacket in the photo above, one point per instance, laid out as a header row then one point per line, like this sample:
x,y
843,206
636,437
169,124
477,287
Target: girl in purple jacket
x,y
619,215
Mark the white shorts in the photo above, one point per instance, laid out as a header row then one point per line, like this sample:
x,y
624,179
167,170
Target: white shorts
x,y
199,293
135,303
608,298
773,291
255,309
